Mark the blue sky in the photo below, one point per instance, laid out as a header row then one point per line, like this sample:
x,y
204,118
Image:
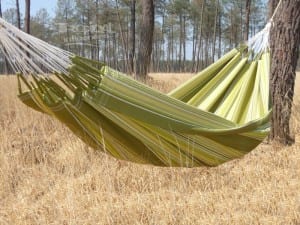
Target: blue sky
x,y
35,5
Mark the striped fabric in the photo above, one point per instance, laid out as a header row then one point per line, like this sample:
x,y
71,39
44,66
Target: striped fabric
x,y
220,114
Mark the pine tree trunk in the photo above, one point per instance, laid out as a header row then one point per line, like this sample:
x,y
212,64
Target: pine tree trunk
x,y
132,36
247,21
172,48
241,18
169,52
200,37
27,16
215,30
220,35
206,61
231,28
272,5
90,32
82,37
97,30
105,45
115,52
146,39
184,43
18,14
162,52
123,41
180,42
285,40
195,35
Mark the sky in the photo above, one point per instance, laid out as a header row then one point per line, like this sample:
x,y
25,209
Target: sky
x,y
35,5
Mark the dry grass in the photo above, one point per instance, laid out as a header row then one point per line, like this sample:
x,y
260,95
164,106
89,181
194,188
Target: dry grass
x,y
48,176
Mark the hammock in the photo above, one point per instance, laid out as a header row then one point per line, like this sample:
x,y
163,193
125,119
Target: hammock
x,y
221,114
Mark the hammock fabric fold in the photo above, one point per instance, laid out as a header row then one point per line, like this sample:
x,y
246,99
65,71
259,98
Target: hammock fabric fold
x,y
130,121
220,114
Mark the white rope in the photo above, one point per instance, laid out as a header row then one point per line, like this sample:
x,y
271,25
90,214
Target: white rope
x,y
275,11
30,55
260,42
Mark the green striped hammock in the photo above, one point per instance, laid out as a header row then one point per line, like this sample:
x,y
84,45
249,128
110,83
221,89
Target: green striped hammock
x,y
220,114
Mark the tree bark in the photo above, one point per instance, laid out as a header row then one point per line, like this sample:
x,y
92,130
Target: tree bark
x,y
241,18
184,44
162,42
97,30
180,41
195,42
285,40
27,16
200,37
220,34
123,41
105,45
146,39
90,32
247,20
0,9
172,47
215,30
272,5
18,14
132,36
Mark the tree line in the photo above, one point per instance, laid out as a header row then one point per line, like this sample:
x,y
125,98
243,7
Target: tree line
x,y
187,35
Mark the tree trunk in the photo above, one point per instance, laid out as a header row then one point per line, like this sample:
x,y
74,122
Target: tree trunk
x,y
285,40
108,46
169,57
172,47
105,45
90,32
162,52
82,37
220,35
115,60
206,49
180,41
200,37
272,5
97,30
132,37
184,44
146,39
195,35
247,21
18,14
27,16
215,30
0,9
241,18
123,41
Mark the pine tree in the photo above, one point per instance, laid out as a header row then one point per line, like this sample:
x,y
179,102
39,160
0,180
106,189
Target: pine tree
x,y
27,16
18,14
285,41
146,39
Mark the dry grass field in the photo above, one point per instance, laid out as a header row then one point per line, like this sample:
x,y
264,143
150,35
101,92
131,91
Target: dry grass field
x,y
48,176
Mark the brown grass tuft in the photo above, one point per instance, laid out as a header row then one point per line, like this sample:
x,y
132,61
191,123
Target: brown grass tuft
x,y
48,176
